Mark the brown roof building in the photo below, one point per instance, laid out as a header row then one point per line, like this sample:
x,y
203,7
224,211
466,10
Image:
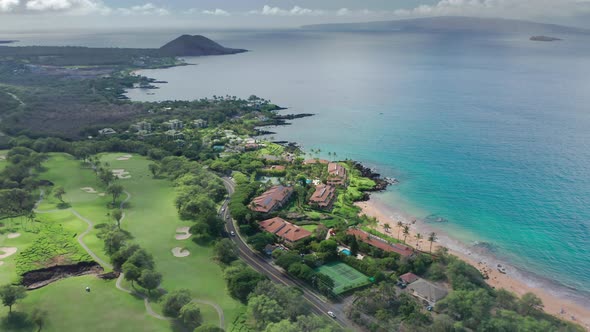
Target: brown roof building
x,y
380,243
323,197
285,230
336,174
276,168
409,278
271,199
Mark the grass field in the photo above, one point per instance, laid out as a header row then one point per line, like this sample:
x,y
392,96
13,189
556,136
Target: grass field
x,y
2,159
152,219
345,277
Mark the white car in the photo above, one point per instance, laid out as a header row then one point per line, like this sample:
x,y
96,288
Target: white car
x,y
232,233
331,314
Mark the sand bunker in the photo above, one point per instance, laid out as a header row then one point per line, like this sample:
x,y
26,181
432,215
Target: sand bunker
x,y
7,252
2,157
102,194
182,233
1,263
124,157
89,190
121,173
12,235
180,252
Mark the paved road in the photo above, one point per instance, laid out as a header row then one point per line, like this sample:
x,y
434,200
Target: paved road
x,y
263,265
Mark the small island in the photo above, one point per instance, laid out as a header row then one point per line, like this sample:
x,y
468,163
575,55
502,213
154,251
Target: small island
x,y
8,41
544,38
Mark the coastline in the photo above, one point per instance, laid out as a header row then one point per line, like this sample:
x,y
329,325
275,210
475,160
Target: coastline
x,y
553,304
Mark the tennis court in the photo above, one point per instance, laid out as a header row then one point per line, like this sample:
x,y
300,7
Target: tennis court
x,y
345,277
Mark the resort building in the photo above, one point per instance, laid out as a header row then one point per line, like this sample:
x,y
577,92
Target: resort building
x,y
272,199
380,243
336,174
174,124
199,123
427,291
107,131
408,278
142,126
285,230
323,197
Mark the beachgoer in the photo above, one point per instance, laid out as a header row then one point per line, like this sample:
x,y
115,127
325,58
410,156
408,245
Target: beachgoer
x,y
88,289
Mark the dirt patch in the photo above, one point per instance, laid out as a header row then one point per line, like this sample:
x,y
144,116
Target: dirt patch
x,y
43,277
125,157
12,235
102,194
182,233
2,157
7,252
89,190
1,263
180,252
121,173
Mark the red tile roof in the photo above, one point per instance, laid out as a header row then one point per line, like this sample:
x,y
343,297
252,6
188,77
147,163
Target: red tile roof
x,y
336,174
378,242
323,195
409,277
284,229
271,199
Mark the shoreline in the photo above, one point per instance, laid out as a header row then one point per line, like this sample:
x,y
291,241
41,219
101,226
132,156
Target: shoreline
x,y
553,304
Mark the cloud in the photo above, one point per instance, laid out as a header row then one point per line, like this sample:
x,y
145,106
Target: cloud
x,y
343,12
147,9
216,12
295,11
8,5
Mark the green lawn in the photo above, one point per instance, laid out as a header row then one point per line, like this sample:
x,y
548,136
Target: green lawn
x,y
152,220
2,159
345,277
105,308
310,228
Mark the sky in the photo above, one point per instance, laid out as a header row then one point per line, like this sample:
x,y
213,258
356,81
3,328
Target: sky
x,y
59,15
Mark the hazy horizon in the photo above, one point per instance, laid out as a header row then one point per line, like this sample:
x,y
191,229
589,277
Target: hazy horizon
x,y
105,15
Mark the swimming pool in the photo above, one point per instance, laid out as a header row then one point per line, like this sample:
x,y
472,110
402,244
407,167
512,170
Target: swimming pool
x,y
345,251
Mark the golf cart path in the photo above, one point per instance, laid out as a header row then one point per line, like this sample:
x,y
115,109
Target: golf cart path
x,y
148,307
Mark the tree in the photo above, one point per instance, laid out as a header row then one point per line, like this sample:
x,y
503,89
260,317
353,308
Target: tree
x,y
400,225
154,169
432,238
118,215
354,247
241,280
11,294
265,310
418,237
106,176
406,232
39,316
131,272
115,190
59,192
174,302
528,303
226,251
150,280
261,240
190,315
208,328
386,226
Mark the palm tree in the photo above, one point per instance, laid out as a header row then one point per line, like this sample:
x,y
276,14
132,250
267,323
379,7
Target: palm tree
x,y
418,238
399,225
432,238
406,232
386,227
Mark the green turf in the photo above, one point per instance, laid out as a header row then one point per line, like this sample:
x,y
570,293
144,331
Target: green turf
x,y
105,308
310,228
152,219
2,159
345,277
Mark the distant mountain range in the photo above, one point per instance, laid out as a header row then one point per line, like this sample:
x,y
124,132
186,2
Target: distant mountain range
x,y
187,45
452,24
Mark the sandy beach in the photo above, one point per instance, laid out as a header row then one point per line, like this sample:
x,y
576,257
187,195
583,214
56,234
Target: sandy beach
x,y
553,305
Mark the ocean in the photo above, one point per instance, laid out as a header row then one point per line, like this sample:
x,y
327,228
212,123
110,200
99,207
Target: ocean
x,y
488,133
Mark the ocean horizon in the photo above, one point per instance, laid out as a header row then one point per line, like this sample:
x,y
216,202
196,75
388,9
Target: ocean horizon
x,y
486,133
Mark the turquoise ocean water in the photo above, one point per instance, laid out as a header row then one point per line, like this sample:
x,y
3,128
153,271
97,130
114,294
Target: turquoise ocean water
x,y
491,133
